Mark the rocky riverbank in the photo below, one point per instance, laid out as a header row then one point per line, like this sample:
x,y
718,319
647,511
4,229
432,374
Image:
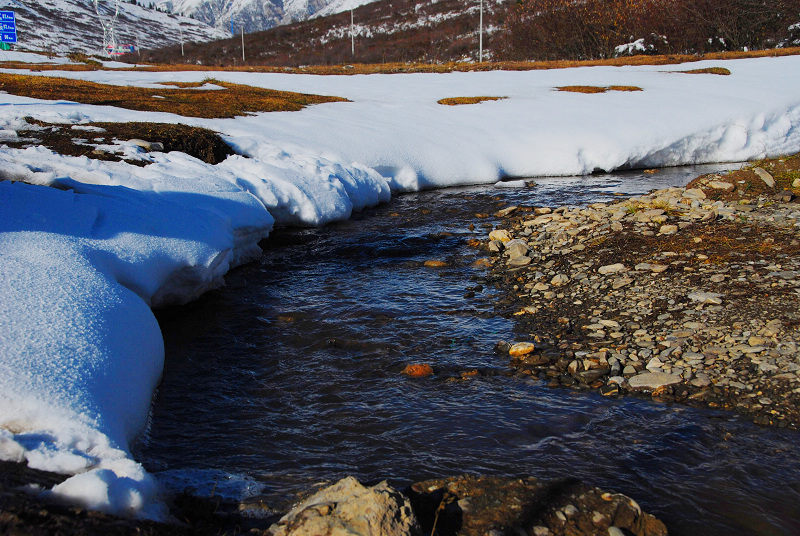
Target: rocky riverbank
x,y
463,505
685,294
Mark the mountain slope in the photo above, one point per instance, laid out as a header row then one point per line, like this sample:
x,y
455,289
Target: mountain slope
x,y
384,31
255,15
63,26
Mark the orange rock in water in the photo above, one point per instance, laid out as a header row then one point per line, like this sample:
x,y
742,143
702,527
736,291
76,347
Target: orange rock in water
x,y
418,370
521,348
435,264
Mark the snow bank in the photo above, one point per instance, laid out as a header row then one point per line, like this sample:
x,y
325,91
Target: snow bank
x,y
87,246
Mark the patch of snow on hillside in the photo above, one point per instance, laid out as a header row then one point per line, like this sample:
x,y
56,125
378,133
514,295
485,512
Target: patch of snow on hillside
x,y
63,26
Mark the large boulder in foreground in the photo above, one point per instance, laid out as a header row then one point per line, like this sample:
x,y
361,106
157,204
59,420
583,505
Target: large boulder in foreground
x,y
349,509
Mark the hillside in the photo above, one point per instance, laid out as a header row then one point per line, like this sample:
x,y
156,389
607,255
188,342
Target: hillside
x,y
255,15
63,26
385,31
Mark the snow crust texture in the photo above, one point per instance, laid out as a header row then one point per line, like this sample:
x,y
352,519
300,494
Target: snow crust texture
x,y
88,247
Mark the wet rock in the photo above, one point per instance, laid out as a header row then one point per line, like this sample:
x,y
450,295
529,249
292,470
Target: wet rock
x,y
521,348
501,235
505,212
653,380
418,370
348,508
435,264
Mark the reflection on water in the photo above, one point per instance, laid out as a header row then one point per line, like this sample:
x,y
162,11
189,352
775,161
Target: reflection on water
x,y
291,374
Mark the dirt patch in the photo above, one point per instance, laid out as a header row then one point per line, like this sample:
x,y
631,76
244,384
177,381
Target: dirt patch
x,y
83,140
234,100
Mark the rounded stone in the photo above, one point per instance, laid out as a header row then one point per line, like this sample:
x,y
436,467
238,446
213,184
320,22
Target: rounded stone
x,y
521,349
653,380
500,234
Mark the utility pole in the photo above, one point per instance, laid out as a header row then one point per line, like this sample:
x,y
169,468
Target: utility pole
x,y
243,44
181,30
480,38
352,35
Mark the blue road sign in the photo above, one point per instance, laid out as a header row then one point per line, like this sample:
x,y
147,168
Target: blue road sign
x,y
8,27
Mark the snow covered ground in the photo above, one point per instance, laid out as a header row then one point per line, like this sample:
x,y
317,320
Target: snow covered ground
x,y
88,246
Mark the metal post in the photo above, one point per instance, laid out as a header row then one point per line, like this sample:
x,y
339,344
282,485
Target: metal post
x,y
480,38
243,60
181,30
352,35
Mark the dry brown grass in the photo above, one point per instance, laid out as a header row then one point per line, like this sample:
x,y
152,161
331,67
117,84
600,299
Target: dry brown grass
x,y
583,89
597,89
709,70
234,100
624,88
456,101
389,68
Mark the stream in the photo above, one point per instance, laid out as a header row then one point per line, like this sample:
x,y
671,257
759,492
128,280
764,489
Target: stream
x,y
291,374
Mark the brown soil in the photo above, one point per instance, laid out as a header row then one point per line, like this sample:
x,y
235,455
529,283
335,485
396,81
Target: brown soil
x,y
745,184
201,143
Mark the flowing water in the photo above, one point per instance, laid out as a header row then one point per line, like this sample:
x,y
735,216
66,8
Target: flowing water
x,y
291,374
